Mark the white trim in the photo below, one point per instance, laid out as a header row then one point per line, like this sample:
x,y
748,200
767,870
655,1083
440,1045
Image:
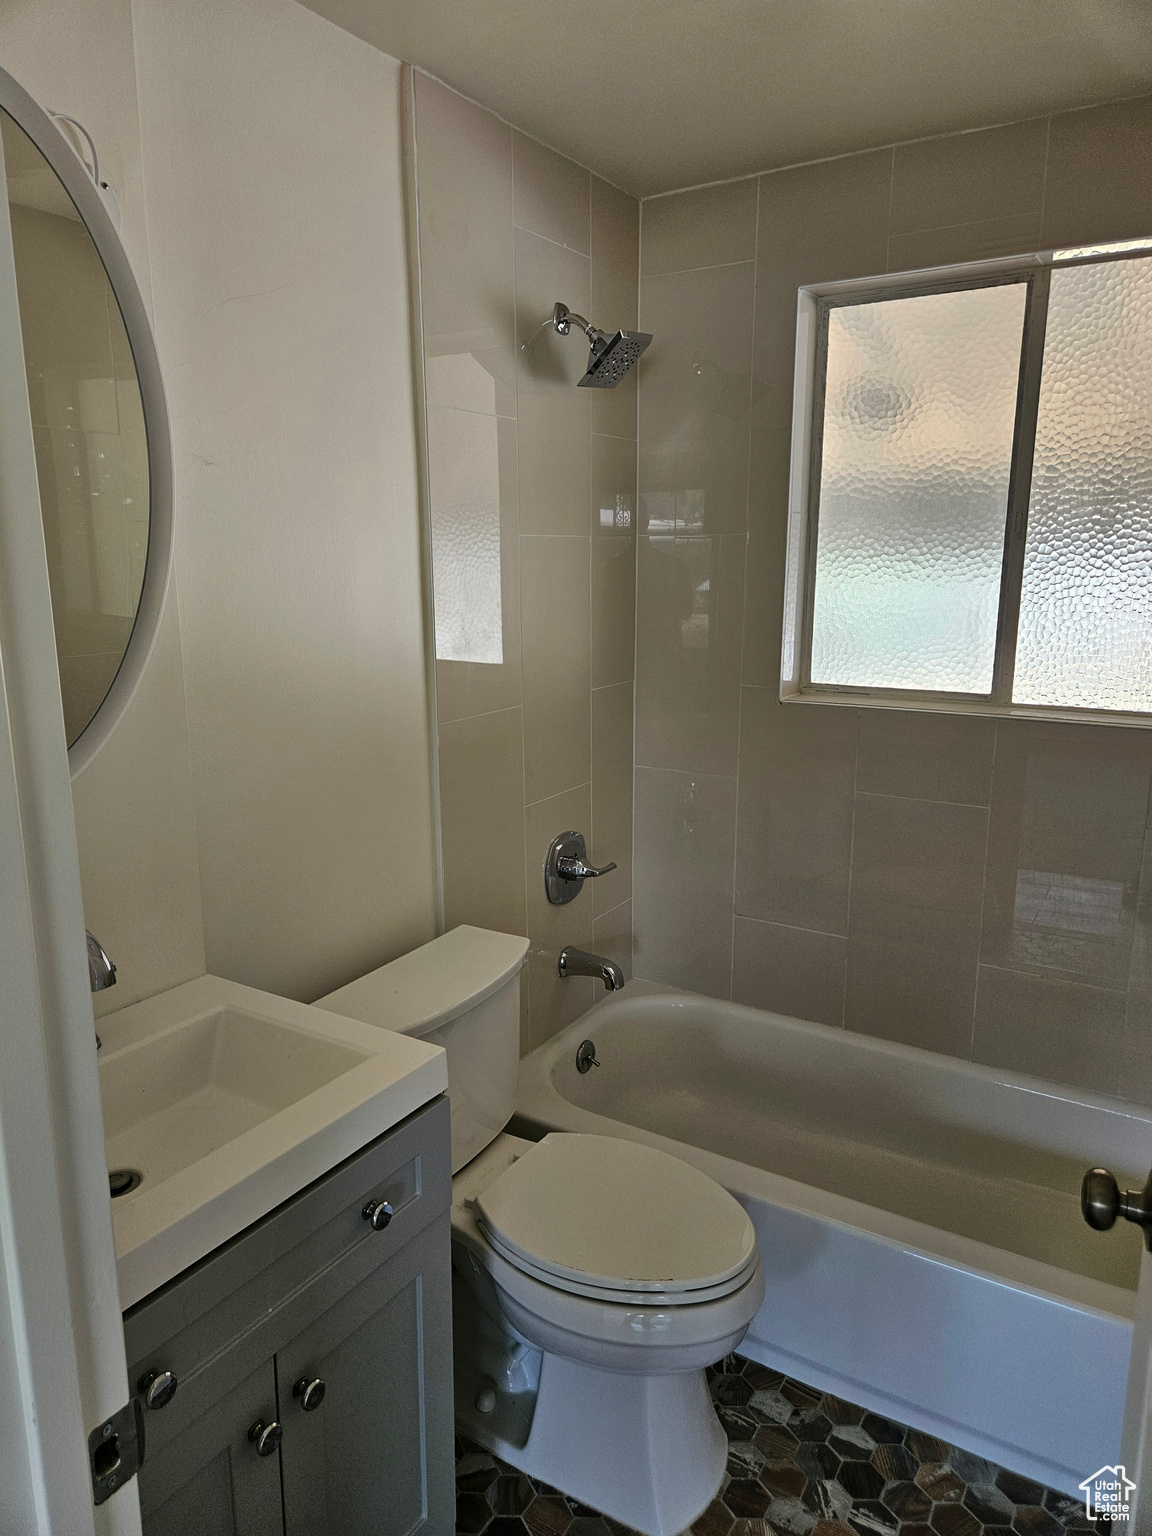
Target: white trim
x,y
60,1305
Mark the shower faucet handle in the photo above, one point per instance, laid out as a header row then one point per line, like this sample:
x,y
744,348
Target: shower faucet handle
x,y
576,869
566,868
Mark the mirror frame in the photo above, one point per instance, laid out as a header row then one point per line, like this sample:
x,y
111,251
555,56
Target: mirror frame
x,y
55,148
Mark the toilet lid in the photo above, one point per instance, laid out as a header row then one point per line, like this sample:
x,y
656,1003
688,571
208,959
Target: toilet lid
x,y
617,1216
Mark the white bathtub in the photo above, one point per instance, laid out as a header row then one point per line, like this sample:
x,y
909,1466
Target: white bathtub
x,y
918,1216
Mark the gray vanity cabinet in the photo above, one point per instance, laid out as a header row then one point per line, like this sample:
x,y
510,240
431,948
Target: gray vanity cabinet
x,y
312,1294
207,1477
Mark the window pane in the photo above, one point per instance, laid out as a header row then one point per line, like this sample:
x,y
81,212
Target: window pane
x,y
919,414
1086,610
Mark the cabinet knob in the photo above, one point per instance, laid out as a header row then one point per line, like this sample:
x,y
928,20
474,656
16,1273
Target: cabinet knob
x,y
378,1213
157,1388
266,1437
310,1391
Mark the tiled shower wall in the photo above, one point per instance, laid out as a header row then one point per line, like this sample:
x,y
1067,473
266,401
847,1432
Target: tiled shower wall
x,y
975,887
532,491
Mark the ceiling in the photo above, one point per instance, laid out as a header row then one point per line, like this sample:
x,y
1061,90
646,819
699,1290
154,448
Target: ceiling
x,y
660,94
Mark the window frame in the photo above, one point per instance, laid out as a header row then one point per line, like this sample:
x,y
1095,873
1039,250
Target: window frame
x,y
814,303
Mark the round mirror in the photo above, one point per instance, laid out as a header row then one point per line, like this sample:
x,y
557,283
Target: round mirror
x,y
98,422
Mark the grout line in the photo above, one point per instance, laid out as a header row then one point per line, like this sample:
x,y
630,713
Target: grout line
x,y
559,245
744,602
636,578
1044,176
1052,980
484,714
851,868
888,220
983,892
770,922
874,149
570,789
711,266
881,794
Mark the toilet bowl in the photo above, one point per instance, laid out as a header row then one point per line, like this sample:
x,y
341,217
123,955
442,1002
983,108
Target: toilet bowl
x,y
594,1278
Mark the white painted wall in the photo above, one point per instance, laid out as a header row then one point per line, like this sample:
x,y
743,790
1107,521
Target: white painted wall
x,y
264,808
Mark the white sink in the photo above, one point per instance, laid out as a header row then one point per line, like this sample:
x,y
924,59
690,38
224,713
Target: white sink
x,y
227,1101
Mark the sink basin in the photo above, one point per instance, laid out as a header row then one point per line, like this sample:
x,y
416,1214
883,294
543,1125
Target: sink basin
x,y
225,1101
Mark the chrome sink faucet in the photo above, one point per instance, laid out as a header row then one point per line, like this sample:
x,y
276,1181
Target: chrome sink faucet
x,y
578,962
101,970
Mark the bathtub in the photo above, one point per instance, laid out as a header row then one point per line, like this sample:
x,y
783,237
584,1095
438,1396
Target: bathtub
x,y
918,1216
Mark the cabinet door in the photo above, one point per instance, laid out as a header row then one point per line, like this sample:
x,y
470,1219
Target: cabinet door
x,y
208,1480
376,1457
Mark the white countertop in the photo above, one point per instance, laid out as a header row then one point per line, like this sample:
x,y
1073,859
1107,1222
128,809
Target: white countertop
x,y
229,1101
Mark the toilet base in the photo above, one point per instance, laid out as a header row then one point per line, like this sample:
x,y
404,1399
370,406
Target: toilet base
x,y
647,1450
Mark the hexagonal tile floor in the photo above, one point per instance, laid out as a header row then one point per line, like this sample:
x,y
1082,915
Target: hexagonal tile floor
x,y
800,1463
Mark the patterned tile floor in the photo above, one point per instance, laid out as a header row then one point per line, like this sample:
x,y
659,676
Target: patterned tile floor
x,y
799,1464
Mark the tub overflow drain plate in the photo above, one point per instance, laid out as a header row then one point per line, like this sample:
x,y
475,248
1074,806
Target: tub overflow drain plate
x,y
122,1180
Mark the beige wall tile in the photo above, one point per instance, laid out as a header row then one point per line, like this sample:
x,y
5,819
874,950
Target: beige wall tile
x,y
1050,1029
482,821
1099,182
914,925
612,936
704,228
555,599
464,157
615,296
554,416
689,622
1135,1079
768,468
818,223
613,610
682,879
613,484
789,970
1068,808
615,258
457,441
1010,236
797,766
926,756
552,194
966,177
555,1002
612,793
696,384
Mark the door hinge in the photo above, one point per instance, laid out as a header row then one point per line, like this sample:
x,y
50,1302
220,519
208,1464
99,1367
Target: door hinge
x,y
116,1450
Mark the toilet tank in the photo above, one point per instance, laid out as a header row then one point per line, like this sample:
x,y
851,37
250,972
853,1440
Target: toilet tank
x,y
461,991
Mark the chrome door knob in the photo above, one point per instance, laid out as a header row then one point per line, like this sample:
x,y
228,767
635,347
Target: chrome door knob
x,y
377,1213
309,1393
1102,1200
157,1388
266,1437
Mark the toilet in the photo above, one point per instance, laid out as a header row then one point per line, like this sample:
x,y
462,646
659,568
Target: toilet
x,y
593,1278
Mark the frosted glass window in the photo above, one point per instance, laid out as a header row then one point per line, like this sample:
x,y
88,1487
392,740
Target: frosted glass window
x,y
919,416
1085,635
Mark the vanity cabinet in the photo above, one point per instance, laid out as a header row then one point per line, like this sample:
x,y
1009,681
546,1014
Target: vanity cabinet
x,y
313,1360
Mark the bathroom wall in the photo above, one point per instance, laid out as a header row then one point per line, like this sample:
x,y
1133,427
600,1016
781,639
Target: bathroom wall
x,y
531,491
978,888
264,808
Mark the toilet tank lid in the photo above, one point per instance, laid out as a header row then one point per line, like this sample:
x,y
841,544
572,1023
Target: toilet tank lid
x,y
431,985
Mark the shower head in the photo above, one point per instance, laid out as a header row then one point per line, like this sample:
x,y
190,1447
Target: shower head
x,y
610,357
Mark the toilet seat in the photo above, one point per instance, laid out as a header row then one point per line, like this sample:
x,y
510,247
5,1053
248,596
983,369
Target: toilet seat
x,y
617,1221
